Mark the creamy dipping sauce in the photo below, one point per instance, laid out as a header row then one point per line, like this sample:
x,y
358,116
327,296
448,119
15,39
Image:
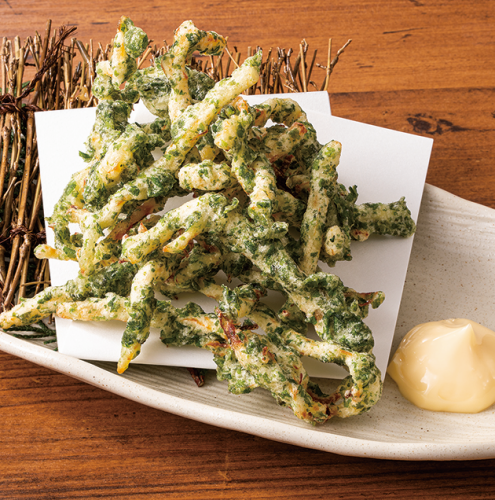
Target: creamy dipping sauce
x,y
447,365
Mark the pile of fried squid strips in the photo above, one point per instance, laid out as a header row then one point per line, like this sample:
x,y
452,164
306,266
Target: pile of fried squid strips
x,y
251,183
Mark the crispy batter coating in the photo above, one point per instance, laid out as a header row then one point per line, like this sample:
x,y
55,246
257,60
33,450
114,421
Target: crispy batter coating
x,y
253,182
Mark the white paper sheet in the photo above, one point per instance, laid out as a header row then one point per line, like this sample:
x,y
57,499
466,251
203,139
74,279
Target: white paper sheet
x,y
383,163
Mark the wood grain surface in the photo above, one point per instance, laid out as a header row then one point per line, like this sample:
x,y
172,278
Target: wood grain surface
x,y
420,66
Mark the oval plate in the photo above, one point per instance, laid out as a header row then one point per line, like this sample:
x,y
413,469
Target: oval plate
x,y
450,274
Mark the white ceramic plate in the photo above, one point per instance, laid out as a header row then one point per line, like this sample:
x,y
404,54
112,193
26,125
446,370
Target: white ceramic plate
x,y
451,274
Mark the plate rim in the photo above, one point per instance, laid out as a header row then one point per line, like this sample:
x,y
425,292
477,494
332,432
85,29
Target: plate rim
x,y
229,419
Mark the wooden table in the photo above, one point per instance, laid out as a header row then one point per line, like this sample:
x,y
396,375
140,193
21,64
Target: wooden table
x,y
425,67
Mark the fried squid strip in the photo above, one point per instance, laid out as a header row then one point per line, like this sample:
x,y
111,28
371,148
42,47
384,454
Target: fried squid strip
x,y
159,178
323,180
275,368
382,218
142,303
320,296
358,392
129,43
286,111
250,165
116,278
124,158
280,141
196,216
261,361
187,39
206,176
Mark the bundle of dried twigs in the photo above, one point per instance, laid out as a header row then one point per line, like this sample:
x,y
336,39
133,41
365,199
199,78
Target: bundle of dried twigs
x,y
64,72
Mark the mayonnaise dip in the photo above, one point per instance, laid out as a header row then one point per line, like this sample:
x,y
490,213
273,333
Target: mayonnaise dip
x,y
447,365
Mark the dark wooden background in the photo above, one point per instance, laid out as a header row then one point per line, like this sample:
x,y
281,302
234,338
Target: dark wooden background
x,y
420,66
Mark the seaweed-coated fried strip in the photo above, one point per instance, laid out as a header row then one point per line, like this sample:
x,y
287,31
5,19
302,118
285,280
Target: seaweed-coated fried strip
x,y
289,112
264,191
254,275
32,310
194,121
273,366
239,302
71,197
286,111
335,242
125,50
190,325
206,147
280,141
251,167
123,160
129,43
158,132
92,232
159,179
259,361
292,317
196,216
142,303
107,252
116,278
103,88
110,123
323,180
110,307
320,296
287,208
206,176
115,307
135,39
300,183
356,302
340,218
154,88
111,119
47,252
276,368
358,392
150,206
199,262
108,249
187,39
359,302
382,218
346,220
231,133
